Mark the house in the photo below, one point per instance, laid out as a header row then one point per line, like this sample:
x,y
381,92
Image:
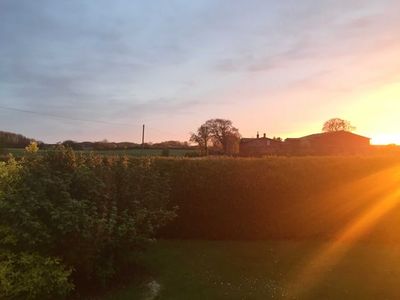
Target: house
x,y
328,143
259,146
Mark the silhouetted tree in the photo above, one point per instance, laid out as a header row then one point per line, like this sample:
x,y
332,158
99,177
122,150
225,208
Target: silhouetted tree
x,y
222,132
104,145
337,124
13,140
72,144
1,145
171,145
232,144
202,137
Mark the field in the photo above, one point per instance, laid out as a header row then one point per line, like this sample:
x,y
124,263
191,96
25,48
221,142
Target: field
x,y
195,269
129,152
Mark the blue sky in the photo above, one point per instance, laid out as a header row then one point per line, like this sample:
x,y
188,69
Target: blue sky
x,y
282,67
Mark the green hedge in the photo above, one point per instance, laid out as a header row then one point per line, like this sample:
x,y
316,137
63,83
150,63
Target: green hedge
x,y
277,197
74,218
68,220
31,276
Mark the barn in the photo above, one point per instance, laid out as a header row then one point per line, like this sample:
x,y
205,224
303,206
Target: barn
x,y
328,143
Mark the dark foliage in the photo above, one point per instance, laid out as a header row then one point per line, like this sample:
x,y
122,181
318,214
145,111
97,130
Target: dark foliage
x,y
13,140
84,211
298,197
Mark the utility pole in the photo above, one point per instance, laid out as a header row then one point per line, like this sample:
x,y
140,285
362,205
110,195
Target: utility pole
x,y
206,141
143,137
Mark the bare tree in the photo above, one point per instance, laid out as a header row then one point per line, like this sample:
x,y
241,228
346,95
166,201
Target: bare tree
x,y
219,132
337,124
232,145
222,132
202,137
1,145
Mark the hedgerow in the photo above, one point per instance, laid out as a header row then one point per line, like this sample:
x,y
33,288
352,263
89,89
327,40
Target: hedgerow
x,y
70,220
270,198
79,215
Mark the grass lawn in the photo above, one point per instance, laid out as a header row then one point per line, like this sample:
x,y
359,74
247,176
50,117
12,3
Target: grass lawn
x,y
269,270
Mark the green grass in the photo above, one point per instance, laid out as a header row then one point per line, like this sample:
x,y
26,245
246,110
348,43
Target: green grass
x,y
14,151
267,270
128,152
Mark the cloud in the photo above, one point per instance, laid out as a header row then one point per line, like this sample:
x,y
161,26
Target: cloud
x,y
133,59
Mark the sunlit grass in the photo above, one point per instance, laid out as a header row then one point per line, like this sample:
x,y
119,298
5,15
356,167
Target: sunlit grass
x,y
260,270
344,266
382,190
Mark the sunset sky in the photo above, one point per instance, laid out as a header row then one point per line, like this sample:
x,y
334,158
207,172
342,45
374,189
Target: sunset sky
x,y
98,69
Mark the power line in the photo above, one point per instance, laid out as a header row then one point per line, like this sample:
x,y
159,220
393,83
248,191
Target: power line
x,y
143,137
77,119
63,117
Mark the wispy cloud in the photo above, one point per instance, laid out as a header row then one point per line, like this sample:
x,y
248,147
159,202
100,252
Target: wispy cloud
x,y
138,60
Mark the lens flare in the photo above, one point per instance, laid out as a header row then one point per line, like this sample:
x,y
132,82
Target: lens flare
x,y
382,193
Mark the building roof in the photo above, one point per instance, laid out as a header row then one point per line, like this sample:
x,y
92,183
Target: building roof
x,y
325,134
247,140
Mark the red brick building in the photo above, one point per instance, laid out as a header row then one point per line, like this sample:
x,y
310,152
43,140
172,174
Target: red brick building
x,y
259,146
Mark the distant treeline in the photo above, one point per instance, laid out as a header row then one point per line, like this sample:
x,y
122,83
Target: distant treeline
x,y
105,145
13,140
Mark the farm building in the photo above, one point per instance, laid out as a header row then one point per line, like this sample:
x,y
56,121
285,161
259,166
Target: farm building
x,y
328,143
259,146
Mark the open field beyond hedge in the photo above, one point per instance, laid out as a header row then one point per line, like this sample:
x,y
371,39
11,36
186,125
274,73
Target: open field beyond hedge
x,y
128,152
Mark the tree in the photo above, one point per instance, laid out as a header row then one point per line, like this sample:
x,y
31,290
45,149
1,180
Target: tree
x,y
222,132
202,138
337,124
232,145
13,140
32,147
72,144
1,145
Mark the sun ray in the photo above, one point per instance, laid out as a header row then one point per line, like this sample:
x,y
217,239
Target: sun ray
x,y
313,271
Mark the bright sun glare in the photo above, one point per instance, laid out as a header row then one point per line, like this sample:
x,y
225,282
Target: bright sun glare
x,y
385,195
376,113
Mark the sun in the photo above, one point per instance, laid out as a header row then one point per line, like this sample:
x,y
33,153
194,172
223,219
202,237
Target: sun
x,y
376,113
386,139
